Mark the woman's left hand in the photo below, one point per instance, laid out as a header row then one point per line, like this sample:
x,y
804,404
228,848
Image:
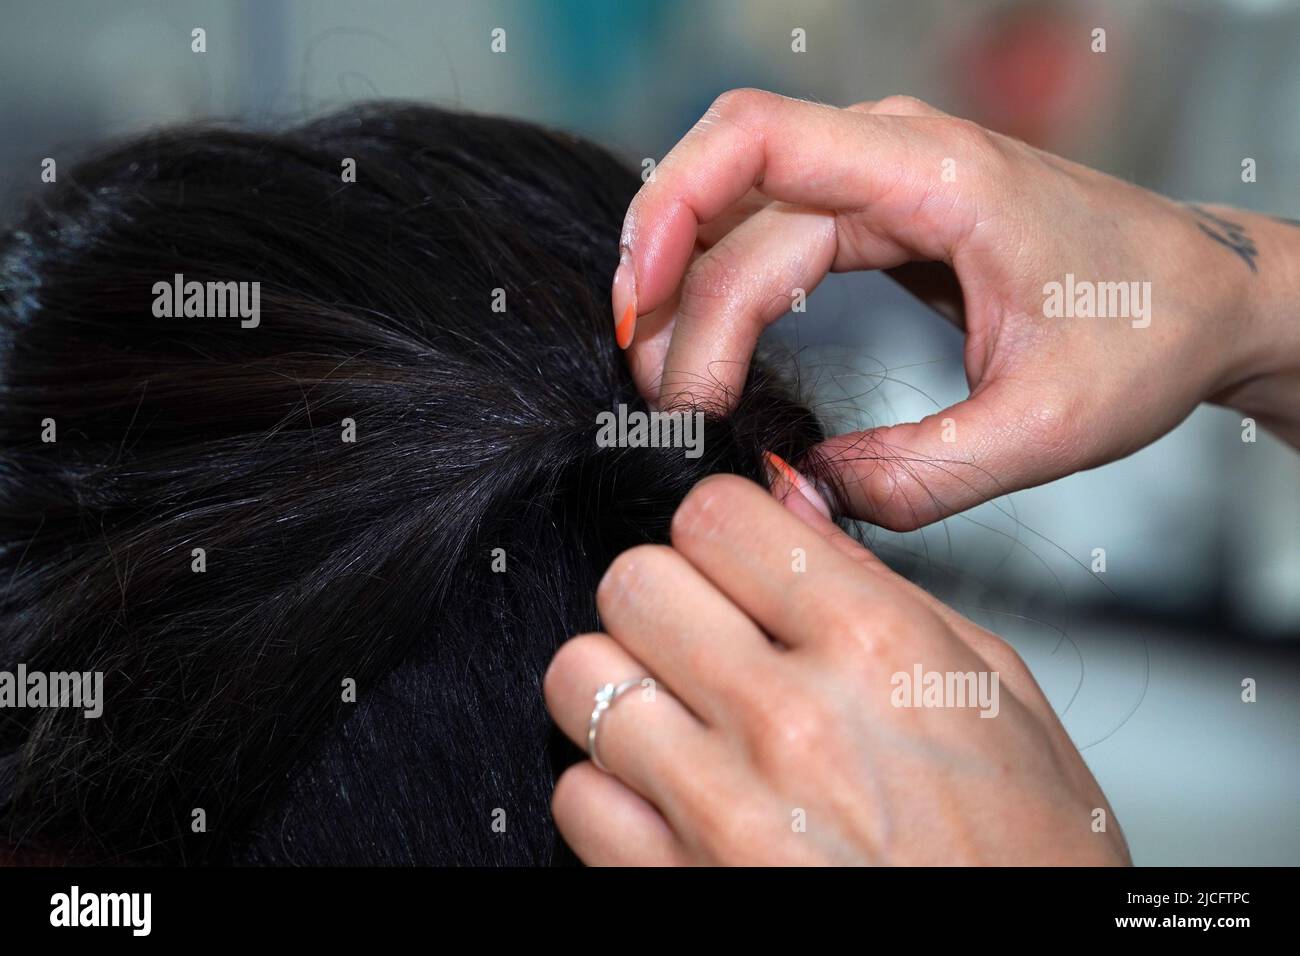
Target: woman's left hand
x,y
775,719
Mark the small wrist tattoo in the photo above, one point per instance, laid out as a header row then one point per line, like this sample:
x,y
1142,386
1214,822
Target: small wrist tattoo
x,y
1227,233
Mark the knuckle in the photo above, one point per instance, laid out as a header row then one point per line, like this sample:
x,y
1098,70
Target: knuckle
x,y
980,147
565,662
789,730
710,277
566,798
968,134
1048,428
729,830
999,654
886,488
900,104
872,637
738,102
629,573
707,508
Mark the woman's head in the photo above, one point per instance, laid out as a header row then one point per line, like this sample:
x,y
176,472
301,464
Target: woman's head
x,y
322,558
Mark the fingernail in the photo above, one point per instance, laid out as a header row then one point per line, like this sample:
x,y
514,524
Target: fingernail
x,y
784,478
824,492
624,298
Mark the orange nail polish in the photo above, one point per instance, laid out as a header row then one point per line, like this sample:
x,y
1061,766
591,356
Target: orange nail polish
x,y
780,468
626,327
623,298
785,479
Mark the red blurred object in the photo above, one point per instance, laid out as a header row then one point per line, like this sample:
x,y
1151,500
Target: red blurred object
x,y
1030,72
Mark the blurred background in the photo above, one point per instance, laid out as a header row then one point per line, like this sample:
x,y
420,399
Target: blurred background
x,y
1201,591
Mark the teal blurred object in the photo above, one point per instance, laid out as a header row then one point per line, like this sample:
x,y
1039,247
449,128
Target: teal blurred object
x,y
600,48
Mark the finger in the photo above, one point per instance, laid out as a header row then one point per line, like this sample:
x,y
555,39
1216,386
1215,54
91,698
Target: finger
x,y
787,485
606,823
654,329
794,583
934,283
667,614
784,481
805,154
713,231
790,150
645,358
732,292
646,737
905,476
803,508
997,654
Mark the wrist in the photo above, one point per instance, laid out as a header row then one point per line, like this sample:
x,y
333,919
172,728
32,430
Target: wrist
x,y
1262,324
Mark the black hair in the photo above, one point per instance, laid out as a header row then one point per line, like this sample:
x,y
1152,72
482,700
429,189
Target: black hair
x,y
377,560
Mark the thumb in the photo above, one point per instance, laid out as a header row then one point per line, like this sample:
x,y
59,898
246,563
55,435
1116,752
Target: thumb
x,y
905,476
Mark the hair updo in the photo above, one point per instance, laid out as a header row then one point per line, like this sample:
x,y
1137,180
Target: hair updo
x,y
435,561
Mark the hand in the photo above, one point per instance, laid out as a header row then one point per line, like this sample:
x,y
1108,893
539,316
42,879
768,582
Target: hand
x,y
770,729
767,194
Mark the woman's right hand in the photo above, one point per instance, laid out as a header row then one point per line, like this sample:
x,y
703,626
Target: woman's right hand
x,y
819,712
766,195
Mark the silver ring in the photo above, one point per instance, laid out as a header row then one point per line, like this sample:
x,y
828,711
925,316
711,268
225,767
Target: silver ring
x,y
605,698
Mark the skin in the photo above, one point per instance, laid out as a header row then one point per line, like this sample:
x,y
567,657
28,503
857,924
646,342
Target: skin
x,y
773,700
768,194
